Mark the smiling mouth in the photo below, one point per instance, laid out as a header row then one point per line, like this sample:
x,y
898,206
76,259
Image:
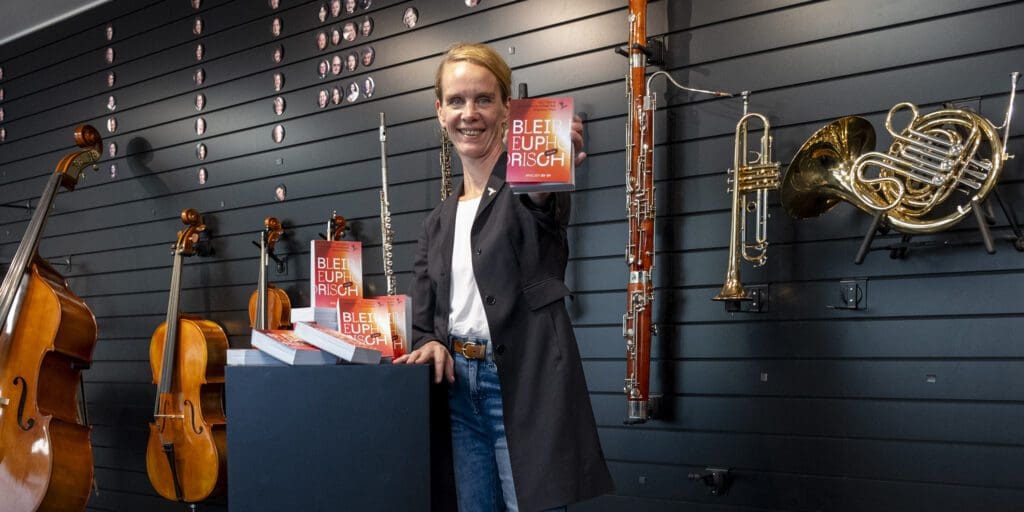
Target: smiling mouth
x,y
470,133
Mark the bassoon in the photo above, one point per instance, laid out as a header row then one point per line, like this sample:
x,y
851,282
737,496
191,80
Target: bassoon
x,y
636,322
637,327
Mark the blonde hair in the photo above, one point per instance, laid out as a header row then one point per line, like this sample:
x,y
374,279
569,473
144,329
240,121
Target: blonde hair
x,y
481,55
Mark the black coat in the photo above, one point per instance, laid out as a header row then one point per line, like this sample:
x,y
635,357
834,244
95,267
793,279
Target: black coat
x,y
519,258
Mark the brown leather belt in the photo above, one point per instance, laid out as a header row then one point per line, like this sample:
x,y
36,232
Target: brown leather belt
x,y
470,348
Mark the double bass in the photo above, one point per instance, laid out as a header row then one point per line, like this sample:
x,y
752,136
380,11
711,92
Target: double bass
x,y
269,306
186,457
47,338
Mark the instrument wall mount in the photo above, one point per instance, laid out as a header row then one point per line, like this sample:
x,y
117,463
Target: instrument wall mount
x,y
718,479
756,301
984,218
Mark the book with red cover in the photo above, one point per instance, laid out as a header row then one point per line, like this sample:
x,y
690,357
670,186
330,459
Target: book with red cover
x,y
399,311
347,348
289,348
366,320
540,155
335,271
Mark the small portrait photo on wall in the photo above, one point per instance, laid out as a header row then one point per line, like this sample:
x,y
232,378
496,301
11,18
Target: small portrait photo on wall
x,y
200,102
196,3
353,92
1,114
197,26
348,32
322,98
201,151
109,31
274,4
3,134
202,175
112,149
350,6
369,86
365,4
336,65
336,8
351,61
277,55
275,27
322,68
410,17
199,76
278,82
200,126
366,27
111,125
321,40
279,105
336,95
335,36
368,55
200,52
321,14
111,102
277,134
472,3
113,171
111,79
280,192
108,55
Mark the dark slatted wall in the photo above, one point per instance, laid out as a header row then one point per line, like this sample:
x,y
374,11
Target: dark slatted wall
x,y
911,403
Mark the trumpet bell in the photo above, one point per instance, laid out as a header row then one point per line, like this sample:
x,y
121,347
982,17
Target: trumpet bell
x,y
819,175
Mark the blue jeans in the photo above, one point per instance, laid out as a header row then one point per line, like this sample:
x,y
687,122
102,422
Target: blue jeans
x,y
483,471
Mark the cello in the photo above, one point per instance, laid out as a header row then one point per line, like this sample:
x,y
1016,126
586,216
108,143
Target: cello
x,y
186,457
269,306
47,338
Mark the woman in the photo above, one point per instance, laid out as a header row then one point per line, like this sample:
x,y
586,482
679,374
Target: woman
x,y
489,315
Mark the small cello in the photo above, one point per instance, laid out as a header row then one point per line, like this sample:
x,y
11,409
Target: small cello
x,y
47,338
336,227
186,457
269,306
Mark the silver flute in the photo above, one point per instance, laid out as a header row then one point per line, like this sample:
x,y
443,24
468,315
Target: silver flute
x,y
386,235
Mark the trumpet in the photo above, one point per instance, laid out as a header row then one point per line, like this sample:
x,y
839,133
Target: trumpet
x,y
936,154
755,178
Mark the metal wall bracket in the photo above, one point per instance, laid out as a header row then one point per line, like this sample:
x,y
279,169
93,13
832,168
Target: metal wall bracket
x,y
756,302
853,294
654,50
718,479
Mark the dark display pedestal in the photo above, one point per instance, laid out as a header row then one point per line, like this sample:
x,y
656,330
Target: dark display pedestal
x,y
331,438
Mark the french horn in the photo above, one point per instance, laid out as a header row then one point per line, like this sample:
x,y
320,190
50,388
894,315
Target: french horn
x,y
938,168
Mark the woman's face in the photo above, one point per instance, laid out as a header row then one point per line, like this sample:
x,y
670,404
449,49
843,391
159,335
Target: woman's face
x,y
351,61
472,110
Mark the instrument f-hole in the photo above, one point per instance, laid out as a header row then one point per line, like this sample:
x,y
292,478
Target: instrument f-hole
x,y
21,405
192,412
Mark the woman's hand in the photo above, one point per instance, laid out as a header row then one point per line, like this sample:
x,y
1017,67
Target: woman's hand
x,y
432,352
577,139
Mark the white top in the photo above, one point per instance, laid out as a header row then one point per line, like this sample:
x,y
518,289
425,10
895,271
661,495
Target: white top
x,y
467,317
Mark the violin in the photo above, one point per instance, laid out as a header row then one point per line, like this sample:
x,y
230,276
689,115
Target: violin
x,y
269,306
336,227
47,336
186,457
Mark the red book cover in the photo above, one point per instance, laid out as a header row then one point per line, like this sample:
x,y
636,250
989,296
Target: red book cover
x,y
367,321
348,348
336,272
399,310
540,146
289,348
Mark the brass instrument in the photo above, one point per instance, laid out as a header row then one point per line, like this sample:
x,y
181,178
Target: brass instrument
x,y
936,154
386,235
757,178
446,165
637,327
